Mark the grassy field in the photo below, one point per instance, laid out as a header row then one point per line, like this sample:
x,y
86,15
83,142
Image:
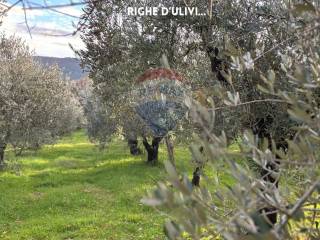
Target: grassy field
x,y
72,190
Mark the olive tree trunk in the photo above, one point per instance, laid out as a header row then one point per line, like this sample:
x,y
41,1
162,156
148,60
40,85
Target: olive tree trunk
x,y
196,176
152,150
170,151
133,145
2,149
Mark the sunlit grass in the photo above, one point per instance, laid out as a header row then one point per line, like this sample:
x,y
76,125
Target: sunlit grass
x,y
72,190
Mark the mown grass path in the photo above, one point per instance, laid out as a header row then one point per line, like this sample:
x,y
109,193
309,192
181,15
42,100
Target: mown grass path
x,y
72,190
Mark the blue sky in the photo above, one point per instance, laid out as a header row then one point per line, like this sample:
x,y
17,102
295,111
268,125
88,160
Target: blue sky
x,y
47,27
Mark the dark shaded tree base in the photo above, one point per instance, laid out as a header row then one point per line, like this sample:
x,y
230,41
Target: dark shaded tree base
x,y
134,149
196,177
152,150
2,149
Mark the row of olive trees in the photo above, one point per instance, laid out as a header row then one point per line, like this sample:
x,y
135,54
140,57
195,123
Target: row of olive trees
x,y
36,103
99,123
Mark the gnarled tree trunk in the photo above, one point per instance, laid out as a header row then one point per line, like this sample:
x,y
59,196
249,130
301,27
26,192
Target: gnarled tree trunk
x,y
152,150
133,145
2,149
196,177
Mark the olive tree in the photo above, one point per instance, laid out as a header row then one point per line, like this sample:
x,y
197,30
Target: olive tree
x,y
118,50
121,47
36,103
100,124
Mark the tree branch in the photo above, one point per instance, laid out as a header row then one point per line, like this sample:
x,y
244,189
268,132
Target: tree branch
x,y
57,6
297,206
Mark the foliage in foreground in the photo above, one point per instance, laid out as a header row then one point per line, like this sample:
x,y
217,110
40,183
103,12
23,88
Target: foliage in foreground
x,y
241,210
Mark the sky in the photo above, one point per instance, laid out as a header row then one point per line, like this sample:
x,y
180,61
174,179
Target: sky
x,y
44,23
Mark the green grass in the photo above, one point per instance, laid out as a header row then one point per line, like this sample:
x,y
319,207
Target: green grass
x,y
72,190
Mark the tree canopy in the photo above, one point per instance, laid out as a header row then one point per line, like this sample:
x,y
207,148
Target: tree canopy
x,y
36,103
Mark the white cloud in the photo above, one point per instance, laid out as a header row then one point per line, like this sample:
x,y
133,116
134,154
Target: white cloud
x,y
41,27
72,11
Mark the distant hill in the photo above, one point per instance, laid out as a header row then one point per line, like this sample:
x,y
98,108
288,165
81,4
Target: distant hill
x,y
69,66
